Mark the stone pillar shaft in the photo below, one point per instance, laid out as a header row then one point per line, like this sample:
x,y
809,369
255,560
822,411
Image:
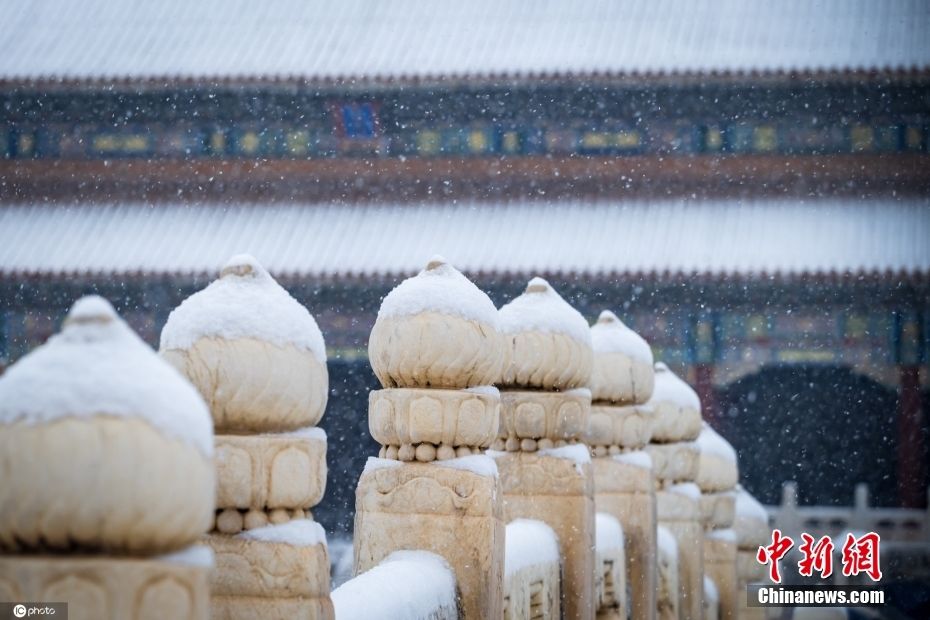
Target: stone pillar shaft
x,y
628,493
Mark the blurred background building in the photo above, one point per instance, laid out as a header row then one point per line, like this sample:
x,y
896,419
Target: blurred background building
x,y
746,183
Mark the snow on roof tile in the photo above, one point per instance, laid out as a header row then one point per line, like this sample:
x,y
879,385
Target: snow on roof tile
x,y
316,39
728,237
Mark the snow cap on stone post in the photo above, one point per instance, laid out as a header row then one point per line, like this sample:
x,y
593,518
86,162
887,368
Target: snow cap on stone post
x,y
84,418
255,353
548,343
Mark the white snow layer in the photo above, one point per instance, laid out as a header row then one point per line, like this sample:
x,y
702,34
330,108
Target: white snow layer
x,y
408,585
581,392
299,533
480,464
579,453
375,463
638,458
710,590
611,335
748,507
710,442
195,555
529,542
307,432
485,390
669,387
666,541
439,288
244,302
97,365
608,533
687,489
725,535
540,308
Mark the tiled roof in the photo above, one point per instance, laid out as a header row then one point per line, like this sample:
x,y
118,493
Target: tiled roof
x,y
317,39
717,238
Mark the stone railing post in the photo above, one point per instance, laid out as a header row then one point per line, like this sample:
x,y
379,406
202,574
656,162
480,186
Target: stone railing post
x,y
620,426
717,477
435,349
676,424
546,468
751,526
107,478
258,358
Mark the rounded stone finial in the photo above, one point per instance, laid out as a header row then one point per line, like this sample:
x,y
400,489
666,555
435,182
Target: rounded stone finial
x,y
676,406
623,365
538,285
548,342
84,418
91,309
436,262
752,521
717,467
436,329
256,354
242,265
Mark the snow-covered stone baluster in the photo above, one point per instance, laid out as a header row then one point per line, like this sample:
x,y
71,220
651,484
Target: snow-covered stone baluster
x,y
717,477
413,585
751,525
531,571
610,583
107,477
667,597
620,427
545,405
435,348
676,413
258,359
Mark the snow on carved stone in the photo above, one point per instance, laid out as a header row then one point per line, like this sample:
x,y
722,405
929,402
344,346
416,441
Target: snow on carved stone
x,y
717,469
439,288
529,542
255,354
299,533
413,585
623,366
479,464
98,366
676,406
639,458
548,344
88,414
245,302
608,532
436,329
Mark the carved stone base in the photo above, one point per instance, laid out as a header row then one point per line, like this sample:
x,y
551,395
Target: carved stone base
x,y
674,462
270,471
269,570
718,510
628,493
455,513
560,493
98,588
720,565
554,416
625,427
681,515
453,418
